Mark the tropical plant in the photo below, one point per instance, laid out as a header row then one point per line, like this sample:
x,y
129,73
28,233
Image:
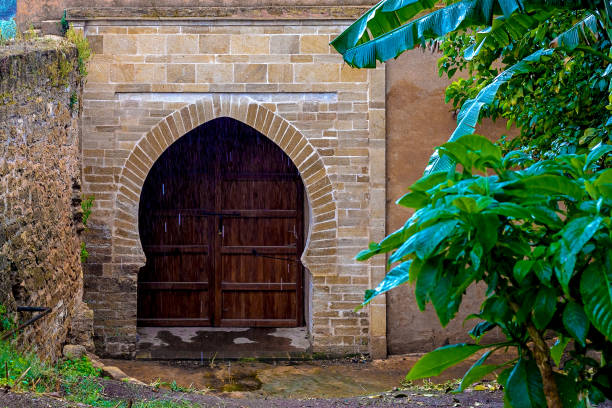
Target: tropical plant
x,y
530,217
540,238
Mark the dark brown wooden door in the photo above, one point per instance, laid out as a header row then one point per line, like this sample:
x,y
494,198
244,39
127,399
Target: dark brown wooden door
x,y
221,222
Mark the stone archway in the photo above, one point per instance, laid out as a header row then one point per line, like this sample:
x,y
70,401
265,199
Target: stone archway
x,y
286,136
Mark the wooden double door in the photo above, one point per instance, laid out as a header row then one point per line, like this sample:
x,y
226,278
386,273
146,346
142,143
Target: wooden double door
x,y
221,223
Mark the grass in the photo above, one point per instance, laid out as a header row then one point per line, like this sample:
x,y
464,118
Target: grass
x,y
77,380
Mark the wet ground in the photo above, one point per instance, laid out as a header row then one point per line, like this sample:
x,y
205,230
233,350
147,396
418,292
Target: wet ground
x,y
245,378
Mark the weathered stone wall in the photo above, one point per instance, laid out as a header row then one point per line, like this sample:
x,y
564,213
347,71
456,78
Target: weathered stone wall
x,y
40,188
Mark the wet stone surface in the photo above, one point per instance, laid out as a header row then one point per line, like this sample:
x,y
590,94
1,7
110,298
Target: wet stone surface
x,y
207,343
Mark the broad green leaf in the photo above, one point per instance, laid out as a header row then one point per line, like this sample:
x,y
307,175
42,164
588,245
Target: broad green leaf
x,y
521,269
466,204
440,297
396,38
394,278
416,199
425,282
508,209
596,291
384,16
486,149
458,152
597,153
427,182
544,307
557,350
435,362
477,372
578,232
486,230
545,184
367,254
572,38
524,386
576,322
567,390
424,242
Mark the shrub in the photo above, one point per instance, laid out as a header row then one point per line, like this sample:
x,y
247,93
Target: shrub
x,y
539,236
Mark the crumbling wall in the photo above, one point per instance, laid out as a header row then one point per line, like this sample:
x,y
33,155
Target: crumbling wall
x,y
40,215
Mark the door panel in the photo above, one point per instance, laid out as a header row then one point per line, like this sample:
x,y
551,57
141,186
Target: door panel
x,y
221,226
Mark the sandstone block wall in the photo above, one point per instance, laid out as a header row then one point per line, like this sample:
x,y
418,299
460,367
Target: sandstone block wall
x,y
40,188
151,81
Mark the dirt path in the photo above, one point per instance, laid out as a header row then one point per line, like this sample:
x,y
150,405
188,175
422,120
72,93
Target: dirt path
x,y
117,390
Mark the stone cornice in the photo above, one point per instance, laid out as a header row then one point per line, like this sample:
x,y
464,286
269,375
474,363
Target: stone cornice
x,y
274,13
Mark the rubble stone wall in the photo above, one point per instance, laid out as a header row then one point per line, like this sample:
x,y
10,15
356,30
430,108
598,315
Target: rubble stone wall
x,y
40,181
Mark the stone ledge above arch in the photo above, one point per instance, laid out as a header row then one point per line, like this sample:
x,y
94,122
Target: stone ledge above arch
x,y
320,253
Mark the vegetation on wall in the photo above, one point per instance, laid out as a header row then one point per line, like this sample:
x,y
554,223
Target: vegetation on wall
x,y
86,206
83,49
530,216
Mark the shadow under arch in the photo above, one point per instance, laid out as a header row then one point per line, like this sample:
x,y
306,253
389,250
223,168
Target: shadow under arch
x,y
320,248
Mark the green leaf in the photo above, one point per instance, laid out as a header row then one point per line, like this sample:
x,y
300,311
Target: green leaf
x,y
567,390
477,372
573,37
545,184
524,386
441,299
578,232
543,271
366,254
596,291
429,181
396,38
597,153
576,322
486,230
417,199
521,269
424,242
544,307
394,278
557,350
426,282
384,16
435,362
466,204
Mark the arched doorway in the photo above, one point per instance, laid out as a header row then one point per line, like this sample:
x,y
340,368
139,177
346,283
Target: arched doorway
x,y
221,224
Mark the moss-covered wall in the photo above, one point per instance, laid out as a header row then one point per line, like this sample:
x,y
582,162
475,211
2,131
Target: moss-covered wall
x,y
40,214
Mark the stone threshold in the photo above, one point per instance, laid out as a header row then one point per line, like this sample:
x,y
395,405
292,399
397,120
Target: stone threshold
x,y
273,13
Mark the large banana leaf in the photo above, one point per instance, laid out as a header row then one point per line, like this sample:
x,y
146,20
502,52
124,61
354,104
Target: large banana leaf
x,y
504,29
393,42
388,28
383,17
